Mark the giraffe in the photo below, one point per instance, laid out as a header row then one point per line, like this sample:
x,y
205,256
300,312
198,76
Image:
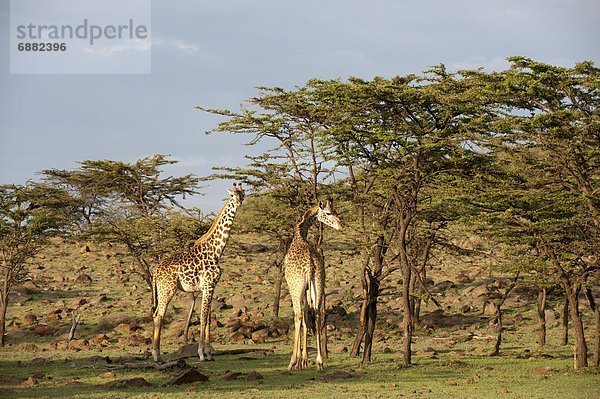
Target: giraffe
x,y
305,276
196,271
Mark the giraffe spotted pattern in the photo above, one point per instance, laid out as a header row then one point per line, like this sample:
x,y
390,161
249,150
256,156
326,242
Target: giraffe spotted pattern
x,y
305,276
195,271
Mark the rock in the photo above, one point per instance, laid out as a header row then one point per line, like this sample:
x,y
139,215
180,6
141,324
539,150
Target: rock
x,y
29,318
84,249
444,285
78,344
237,337
127,382
187,376
489,308
281,328
108,374
188,350
387,350
260,336
230,376
233,324
44,330
246,331
30,382
27,288
38,361
343,349
28,347
337,375
123,329
254,376
542,369
465,309
84,279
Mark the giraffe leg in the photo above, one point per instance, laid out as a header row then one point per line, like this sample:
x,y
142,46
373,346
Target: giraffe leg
x,y
316,302
207,348
304,360
164,292
297,295
204,324
189,318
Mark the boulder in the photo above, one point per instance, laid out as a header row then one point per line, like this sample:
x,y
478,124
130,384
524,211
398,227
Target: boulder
x,y
84,279
187,376
127,382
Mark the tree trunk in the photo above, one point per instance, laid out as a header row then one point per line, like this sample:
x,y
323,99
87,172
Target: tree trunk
x,y
499,329
596,309
499,326
278,283
368,313
541,311
407,322
362,323
565,322
572,295
3,307
373,281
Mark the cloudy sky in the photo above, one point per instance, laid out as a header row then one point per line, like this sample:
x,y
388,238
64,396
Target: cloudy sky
x,y
214,54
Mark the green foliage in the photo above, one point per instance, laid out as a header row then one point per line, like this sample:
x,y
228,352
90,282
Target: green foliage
x,y
134,205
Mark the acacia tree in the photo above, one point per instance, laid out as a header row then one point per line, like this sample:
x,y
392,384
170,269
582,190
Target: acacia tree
x,y
136,206
29,215
291,174
553,136
400,138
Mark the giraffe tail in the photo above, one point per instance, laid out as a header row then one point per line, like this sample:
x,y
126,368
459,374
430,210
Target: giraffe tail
x,y
154,295
311,309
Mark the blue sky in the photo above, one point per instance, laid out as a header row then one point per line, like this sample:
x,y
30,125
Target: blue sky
x,y
214,54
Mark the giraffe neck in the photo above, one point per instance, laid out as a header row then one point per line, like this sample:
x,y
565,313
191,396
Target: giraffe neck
x,y
216,237
308,219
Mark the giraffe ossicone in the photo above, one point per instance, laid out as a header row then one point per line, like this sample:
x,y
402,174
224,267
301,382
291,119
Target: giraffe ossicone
x,y
196,271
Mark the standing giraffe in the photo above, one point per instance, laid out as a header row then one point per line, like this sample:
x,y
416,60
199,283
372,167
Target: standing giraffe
x,y
305,276
196,271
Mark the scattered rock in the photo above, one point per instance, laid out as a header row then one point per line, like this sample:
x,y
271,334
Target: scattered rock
x,y
84,279
336,375
260,336
127,382
542,369
237,337
187,376
28,347
30,382
29,318
188,350
84,249
254,376
27,288
44,330
230,376
344,349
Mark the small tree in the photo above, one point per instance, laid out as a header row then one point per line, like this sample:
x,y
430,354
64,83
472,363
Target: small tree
x,y
136,206
29,215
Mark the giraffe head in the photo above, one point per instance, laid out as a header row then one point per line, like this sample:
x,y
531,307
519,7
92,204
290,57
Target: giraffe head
x,y
237,194
326,215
